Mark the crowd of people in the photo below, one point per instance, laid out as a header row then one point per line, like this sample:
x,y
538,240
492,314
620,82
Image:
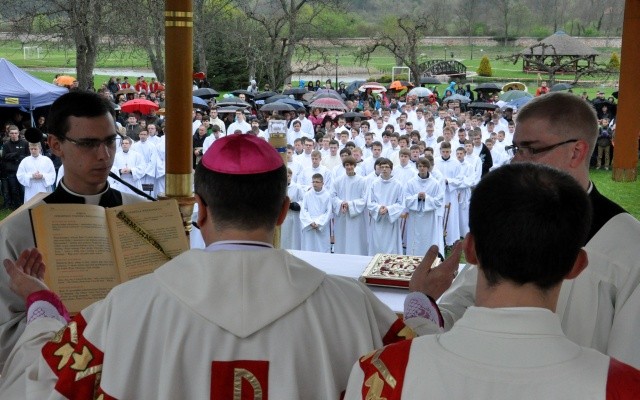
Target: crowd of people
x,y
547,307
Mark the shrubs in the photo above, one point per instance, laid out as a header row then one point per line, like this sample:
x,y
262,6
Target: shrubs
x,y
485,67
614,62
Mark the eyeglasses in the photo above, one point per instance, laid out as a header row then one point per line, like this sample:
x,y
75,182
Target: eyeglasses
x,y
93,144
526,151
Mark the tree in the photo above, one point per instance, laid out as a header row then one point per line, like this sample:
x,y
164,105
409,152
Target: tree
x,y
83,23
484,69
401,36
614,62
146,30
284,24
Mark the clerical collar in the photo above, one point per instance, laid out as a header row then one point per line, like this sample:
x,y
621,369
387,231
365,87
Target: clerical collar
x,y
93,199
590,188
445,159
246,245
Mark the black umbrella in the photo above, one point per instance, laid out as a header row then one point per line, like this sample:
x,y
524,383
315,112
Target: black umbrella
x,y
233,101
482,106
352,114
488,87
615,94
247,93
205,93
296,91
275,98
432,80
228,109
560,86
277,106
265,95
327,96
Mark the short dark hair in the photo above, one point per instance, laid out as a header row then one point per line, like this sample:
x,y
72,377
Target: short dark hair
x,y
244,202
76,104
534,236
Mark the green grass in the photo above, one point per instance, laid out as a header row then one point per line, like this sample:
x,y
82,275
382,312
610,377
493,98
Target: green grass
x,y
626,194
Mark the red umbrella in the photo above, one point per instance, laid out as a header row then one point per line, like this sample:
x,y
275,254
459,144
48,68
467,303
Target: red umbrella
x,y
199,75
328,103
142,106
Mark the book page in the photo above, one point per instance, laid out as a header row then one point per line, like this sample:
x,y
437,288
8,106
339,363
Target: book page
x,y
75,243
161,219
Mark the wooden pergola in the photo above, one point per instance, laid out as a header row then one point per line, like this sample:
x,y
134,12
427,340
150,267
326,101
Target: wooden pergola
x,y
559,49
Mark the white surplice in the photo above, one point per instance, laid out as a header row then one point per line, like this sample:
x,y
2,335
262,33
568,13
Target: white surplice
x,y
350,227
30,165
316,208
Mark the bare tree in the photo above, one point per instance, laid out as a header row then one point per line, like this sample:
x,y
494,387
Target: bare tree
x,y
284,24
85,24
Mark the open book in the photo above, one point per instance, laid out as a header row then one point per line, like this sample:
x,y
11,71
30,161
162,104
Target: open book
x,y
90,249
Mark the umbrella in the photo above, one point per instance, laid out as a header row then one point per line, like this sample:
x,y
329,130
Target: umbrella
x,y
199,75
432,80
420,92
518,103
143,106
199,103
514,86
205,93
483,106
560,86
65,80
329,103
126,91
228,109
400,85
351,114
247,93
233,101
331,113
487,87
457,97
353,86
326,96
326,91
264,95
277,106
514,94
294,103
276,97
296,91
374,86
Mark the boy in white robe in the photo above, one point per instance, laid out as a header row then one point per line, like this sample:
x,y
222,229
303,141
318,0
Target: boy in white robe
x,y
315,217
450,168
386,204
35,173
510,344
423,196
291,229
350,211
128,165
150,154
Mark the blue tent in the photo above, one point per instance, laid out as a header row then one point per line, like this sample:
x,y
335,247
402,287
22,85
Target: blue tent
x,y
22,90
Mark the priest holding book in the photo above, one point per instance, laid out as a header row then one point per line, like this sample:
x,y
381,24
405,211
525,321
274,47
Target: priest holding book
x,y
82,133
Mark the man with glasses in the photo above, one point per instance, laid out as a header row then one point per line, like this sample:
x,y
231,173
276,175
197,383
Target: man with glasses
x,y
82,133
601,307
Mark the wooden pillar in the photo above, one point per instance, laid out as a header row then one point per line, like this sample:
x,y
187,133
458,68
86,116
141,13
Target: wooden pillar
x,y
178,17
625,162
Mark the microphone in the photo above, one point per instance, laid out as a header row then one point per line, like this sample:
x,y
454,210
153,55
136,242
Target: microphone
x,y
130,186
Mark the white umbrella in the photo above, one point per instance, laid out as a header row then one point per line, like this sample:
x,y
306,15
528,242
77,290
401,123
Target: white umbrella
x,y
420,92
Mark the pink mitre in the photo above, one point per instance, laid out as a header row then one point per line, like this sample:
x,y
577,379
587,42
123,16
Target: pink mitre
x,y
240,154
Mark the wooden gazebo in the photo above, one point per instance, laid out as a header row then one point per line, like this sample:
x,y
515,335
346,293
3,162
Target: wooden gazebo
x,y
558,49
